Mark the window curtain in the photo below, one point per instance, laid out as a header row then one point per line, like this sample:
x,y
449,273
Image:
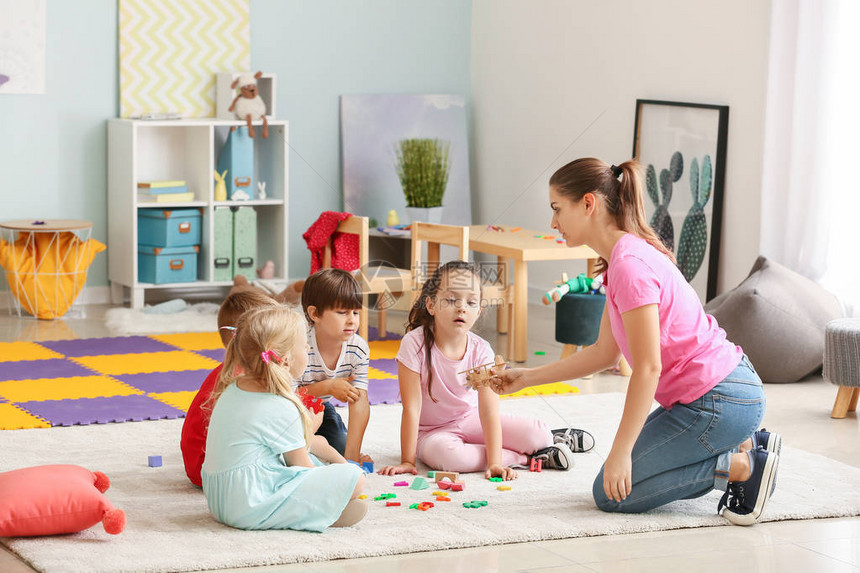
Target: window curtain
x,y
810,190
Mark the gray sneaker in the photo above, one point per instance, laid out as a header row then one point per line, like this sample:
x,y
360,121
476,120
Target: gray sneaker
x,y
577,440
555,457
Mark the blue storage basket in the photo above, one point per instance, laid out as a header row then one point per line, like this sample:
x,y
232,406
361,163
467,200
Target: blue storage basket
x,y
160,265
168,227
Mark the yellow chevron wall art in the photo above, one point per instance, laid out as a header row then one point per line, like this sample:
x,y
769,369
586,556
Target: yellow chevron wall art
x,y
170,51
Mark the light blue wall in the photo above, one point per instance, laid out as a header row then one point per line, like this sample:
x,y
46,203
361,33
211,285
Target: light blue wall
x,y
53,157
323,48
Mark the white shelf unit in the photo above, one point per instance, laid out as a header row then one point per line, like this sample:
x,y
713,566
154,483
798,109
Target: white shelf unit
x,y
188,149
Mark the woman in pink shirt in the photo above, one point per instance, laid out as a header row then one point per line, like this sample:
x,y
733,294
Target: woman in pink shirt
x,y
702,436
444,423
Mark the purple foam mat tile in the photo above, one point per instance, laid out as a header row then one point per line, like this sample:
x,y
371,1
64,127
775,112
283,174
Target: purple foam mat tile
x,y
373,334
214,354
84,411
385,364
174,381
112,345
51,368
378,392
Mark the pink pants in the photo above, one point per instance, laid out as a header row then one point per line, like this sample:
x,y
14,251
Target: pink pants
x,y
459,446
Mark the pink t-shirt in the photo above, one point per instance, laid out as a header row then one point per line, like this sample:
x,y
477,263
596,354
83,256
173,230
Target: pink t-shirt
x,y
693,348
454,400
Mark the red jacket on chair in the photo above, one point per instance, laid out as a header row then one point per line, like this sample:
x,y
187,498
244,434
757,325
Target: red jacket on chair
x,y
344,247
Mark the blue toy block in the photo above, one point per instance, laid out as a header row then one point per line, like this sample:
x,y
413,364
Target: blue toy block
x,y
155,461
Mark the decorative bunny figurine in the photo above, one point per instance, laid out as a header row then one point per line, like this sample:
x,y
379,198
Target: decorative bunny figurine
x,y
261,190
220,186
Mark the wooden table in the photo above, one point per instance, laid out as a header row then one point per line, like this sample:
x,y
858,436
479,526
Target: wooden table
x,y
523,246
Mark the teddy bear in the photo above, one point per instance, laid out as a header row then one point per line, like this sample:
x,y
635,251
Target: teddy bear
x,y
248,104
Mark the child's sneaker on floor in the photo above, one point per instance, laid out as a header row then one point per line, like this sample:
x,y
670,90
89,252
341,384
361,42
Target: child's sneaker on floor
x,y
577,440
745,501
555,457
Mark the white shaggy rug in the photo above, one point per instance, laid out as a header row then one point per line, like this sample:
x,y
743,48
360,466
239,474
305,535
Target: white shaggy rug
x,y
200,317
169,528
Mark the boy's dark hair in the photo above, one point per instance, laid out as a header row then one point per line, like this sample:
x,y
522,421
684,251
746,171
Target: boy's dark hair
x,y
235,305
331,288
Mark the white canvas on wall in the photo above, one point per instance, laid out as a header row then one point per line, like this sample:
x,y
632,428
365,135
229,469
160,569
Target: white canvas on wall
x,y
371,126
22,46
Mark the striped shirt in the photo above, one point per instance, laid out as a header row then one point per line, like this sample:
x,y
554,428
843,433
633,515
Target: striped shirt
x,y
354,360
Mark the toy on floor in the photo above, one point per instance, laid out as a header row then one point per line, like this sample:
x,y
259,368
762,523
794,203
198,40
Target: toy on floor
x,y
248,105
580,284
55,499
480,376
154,461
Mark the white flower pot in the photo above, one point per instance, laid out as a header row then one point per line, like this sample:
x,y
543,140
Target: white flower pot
x,y
424,214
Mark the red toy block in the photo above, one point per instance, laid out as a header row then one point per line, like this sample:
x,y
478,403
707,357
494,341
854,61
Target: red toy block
x,y
444,484
535,465
458,486
392,504
442,498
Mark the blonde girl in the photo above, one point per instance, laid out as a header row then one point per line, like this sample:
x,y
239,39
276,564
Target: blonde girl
x,y
258,473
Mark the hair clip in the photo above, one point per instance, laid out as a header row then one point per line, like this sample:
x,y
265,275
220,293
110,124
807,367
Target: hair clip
x,y
617,171
232,329
269,355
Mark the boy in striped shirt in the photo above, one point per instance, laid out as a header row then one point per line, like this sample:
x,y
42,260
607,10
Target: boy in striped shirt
x,y
338,358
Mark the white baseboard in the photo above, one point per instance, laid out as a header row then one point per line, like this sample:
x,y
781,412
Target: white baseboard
x,y
89,295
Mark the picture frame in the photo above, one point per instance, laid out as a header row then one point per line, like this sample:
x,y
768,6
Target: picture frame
x,y
682,149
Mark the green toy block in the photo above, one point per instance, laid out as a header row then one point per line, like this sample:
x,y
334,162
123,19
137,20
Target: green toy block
x,y
419,483
495,479
540,353
384,496
474,504
431,474
413,506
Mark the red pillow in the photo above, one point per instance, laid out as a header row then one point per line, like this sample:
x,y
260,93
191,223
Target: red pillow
x,y
48,500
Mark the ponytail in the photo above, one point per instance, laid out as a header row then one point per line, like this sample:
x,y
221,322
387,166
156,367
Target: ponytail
x,y
621,189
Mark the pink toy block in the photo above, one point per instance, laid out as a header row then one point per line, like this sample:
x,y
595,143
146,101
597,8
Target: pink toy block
x,y
401,483
444,484
458,486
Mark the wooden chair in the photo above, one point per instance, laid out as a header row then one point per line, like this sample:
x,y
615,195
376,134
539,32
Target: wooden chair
x,y
379,280
497,292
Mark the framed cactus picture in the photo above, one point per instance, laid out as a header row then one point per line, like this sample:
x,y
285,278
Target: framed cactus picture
x,y
682,147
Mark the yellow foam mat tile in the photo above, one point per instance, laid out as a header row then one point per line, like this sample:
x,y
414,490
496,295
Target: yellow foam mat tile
x,y
191,340
383,348
181,400
545,389
13,418
15,351
146,362
71,388
377,374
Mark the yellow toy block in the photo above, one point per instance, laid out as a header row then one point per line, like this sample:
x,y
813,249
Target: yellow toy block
x,y
545,389
15,351
146,362
191,340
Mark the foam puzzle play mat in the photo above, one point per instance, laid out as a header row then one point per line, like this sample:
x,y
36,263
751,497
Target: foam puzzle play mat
x,y
132,378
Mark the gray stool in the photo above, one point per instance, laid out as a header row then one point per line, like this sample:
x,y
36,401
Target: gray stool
x,y
842,363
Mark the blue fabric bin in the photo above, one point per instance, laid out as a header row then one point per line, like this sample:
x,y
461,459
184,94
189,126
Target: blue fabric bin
x,y
168,227
160,265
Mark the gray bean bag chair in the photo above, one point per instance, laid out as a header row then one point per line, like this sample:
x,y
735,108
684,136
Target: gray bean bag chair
x,y
778,317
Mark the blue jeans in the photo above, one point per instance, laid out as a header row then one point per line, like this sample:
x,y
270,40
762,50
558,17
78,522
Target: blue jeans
x,y
333,428
685,452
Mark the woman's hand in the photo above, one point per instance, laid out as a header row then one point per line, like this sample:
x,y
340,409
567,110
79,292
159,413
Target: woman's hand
x,y
618,476
496,470
508,381
403,468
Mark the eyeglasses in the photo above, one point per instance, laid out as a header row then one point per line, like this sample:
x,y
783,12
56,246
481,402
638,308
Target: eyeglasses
x,y
232,329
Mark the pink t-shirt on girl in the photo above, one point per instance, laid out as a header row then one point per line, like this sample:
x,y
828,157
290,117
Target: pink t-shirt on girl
x,y
693,348
454,400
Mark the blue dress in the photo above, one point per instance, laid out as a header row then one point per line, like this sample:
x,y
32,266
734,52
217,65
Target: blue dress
x,y
245,480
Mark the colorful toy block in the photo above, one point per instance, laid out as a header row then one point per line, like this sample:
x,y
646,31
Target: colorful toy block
x,y
384,496
535,465
392,504
496,479
401,483
443,498
155,461
444,484
362,496
458,486
431,474
437,492
504,488
452,476
474,504
419,483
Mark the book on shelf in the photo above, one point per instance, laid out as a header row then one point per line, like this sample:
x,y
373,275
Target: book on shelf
x,y
397,230
166,198
162,190
161,183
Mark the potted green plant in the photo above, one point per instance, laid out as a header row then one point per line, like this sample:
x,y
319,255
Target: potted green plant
x,y
423,166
